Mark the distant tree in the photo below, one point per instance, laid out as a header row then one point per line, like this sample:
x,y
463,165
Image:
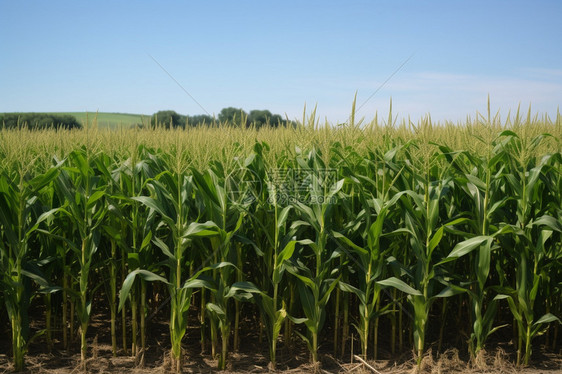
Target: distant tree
x,y
276,120
167,119
34,121
233,116
200,120
259,118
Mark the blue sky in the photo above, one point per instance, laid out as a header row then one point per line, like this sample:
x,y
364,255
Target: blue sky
x,y
95,55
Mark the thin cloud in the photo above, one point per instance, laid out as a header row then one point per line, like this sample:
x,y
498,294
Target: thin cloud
x,y
543,72
448,96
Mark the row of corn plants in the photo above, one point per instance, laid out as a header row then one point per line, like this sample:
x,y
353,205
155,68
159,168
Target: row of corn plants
x,y
314,233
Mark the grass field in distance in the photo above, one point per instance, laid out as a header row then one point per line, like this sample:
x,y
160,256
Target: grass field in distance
x,y
109,120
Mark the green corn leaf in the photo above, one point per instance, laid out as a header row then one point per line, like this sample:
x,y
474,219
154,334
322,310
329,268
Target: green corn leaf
x,y
133,260
400,285
244,287
435,239
328,292
283,217
200,283
549,222
467,246
196,229
157,206
94,198
146,241
214,308
164,247
450,290
287,252
130,279
547,318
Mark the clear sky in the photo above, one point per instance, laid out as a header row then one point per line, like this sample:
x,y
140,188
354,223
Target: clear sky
x,y
279,55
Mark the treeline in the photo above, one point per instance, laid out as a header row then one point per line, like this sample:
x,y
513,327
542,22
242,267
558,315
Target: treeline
x,y
163,119
38,121
227,116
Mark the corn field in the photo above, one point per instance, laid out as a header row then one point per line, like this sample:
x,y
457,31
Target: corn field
x,y
317,233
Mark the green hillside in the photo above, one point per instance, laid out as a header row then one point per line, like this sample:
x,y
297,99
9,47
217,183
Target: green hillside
x,y
111,120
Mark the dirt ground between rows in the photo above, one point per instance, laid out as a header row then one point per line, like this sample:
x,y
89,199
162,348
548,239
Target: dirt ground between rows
x,y
253,357
157,362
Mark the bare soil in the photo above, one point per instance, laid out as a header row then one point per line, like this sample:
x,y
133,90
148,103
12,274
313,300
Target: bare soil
x,y
253,356
103,362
